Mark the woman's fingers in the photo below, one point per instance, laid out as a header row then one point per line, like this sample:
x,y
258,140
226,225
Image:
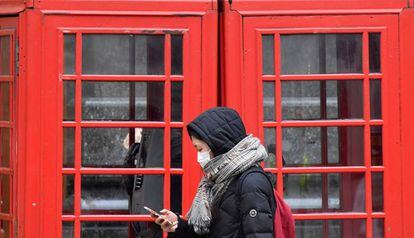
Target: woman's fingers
x,y
165,212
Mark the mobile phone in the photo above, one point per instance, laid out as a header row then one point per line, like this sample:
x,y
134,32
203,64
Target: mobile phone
x,y
152,211
156,214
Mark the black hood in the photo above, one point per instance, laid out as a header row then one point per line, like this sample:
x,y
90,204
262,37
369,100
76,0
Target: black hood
x,y
220,127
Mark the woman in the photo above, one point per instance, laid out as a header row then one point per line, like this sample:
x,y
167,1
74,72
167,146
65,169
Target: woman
x,y
221,207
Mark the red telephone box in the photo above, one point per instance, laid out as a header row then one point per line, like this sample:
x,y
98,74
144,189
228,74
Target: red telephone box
x,y
95,96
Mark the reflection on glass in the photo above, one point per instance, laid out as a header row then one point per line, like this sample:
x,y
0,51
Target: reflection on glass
x,y
177,54
333,191
303,192
305,146
69,100
176,101
120,229
122,54
176,192
5,55
67,229
375,98
378,228
5,101
268,56
5,147
68,147
5,193
176,148
5,228
301,146
376,145
374,52
269,101
377,192
69,53
112,147
109,194
330,228
270,143
68,194
309,229
333,144
347,228
321,53
123,101
307,100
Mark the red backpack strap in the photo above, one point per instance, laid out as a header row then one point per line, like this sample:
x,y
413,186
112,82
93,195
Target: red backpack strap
x,y
284,224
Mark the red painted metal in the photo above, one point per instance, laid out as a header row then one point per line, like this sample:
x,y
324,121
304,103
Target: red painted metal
x,y
407,112
198,95
301,7
8,29
252,99
38,94
11,7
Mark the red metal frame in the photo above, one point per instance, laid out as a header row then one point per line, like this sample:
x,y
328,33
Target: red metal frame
x,y
200,92
407,112
8,29
251,100
301,7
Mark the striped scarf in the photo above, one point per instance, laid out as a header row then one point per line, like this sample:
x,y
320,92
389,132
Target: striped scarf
x,y
218,173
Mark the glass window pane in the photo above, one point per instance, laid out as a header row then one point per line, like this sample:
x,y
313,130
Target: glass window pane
x,y
122,54
270,144
305,192
378,228
134,101
5,147
309,229
307,100
334,191
69,100
176,101
68,194
69,53
108,194
5,101
176,192
5,55
112,147
377,192
347,228
305,146
301,146
374,52
5,230
68,147
269,101
177,54
321,53
67,229
176,148
149,54
333,145
375,99
268,55
376,145
5,193
120,229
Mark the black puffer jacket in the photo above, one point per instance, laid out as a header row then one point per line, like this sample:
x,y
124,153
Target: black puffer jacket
x,y
244,213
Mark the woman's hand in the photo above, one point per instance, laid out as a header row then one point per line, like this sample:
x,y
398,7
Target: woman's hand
x,y
168,221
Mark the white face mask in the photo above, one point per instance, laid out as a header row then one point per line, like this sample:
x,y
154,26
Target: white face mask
x,y
203,158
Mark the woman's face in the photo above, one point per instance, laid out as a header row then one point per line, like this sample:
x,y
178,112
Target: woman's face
x,y
200,145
